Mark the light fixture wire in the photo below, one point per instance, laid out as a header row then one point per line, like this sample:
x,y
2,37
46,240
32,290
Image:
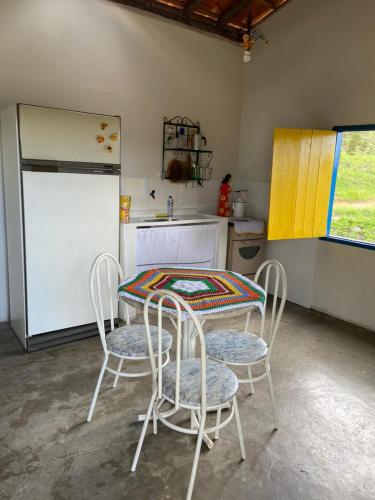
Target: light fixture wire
x,y
250,37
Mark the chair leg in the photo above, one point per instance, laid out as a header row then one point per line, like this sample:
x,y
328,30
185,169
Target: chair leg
x,y
252,390
196,459
218,417
143,433
274,409
154,422
194,424
118,369
98,384
239,428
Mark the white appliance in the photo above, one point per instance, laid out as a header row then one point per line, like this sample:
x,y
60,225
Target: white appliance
x,y
245,251
62,183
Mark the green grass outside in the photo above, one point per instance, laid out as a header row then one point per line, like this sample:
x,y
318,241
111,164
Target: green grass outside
x,y
356,178
353,214
354,223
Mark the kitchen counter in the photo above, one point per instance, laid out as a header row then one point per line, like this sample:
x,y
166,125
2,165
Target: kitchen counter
x,y
129,238
180,220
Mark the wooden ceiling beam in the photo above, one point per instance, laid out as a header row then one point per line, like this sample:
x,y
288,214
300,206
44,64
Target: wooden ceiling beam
x,y
198,22
271,4
190,6
196,14
235,8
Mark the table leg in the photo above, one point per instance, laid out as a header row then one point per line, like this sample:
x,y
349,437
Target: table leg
x,y
188,347
194,423
192,338
185,340
188,340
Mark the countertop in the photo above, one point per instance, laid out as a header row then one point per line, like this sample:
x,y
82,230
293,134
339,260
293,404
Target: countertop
x,y
181,219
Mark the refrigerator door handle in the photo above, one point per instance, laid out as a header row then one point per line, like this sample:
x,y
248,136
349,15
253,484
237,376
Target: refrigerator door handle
x,y
70,167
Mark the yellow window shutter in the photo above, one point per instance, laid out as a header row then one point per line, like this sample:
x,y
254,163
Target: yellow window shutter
x,y
300,183
327,154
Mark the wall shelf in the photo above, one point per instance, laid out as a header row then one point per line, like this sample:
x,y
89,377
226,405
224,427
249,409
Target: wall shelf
x,y
189,150
181,161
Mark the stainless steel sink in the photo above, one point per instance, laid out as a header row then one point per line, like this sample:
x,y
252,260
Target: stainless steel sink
x,y
159,219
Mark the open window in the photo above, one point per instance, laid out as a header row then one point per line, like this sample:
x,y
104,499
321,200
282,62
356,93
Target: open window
x,y
351,213
323,185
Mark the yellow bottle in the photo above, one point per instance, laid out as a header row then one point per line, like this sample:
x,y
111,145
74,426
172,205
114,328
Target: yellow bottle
x,y
125,203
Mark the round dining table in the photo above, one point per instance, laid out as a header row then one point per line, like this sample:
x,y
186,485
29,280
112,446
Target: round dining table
x,y
211,293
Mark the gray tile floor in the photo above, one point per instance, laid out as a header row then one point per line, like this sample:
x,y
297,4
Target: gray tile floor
x,y
324,374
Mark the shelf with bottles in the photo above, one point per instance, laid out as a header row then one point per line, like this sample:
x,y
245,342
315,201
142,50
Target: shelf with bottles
x,y
189,150
190,178
185,157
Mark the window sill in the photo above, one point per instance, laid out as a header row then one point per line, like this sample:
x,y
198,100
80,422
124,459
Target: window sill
x,y
353,243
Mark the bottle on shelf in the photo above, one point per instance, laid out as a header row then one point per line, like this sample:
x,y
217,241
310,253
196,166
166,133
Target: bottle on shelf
x,y
182,140
170,207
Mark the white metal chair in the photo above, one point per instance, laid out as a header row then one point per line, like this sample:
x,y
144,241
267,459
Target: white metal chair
x,y
195,384
126,342
245,348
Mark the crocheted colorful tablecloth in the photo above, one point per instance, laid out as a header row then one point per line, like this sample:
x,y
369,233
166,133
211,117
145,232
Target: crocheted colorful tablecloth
x,y
207,291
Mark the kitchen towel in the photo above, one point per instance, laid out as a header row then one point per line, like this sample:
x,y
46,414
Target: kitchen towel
x,y
248,226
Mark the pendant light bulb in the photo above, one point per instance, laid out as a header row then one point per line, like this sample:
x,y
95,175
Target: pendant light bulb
x,y
246,56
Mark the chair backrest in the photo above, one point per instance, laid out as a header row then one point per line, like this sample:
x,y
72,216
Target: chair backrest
x,y
105,275
279,292
173,299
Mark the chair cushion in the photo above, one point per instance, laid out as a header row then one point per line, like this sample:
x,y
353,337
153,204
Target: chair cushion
x,y
232,346
221,383
131,341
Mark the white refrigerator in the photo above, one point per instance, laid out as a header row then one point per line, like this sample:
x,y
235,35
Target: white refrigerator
x,y
62,181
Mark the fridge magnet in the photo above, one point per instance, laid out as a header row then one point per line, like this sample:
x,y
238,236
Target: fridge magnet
x,y
114,136
99,139
103,125
108,148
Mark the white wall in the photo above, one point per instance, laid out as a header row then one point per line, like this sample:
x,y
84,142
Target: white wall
x,y
345,283
94,55
4,302
318,71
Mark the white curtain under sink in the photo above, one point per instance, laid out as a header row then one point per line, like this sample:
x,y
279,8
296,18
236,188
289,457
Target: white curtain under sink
x,y
177,246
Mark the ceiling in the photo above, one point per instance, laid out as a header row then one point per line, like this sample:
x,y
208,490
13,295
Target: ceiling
x,y
226,18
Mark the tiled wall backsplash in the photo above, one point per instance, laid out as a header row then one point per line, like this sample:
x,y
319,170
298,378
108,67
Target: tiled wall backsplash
x,y
187,199
257,198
